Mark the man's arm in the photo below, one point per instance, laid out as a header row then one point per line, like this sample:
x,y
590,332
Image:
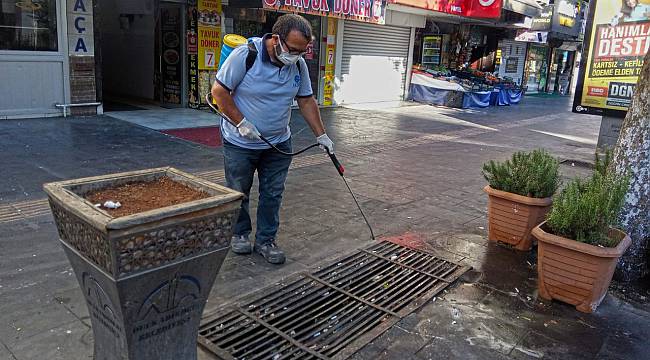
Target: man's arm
x,y
225,102
311,113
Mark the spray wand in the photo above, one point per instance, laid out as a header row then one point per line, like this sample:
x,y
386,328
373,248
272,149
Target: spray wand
x,y
339,168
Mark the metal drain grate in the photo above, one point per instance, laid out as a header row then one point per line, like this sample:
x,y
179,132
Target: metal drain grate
x,y
332,312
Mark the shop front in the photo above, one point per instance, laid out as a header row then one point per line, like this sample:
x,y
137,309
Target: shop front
x,y
536,72
255,22
361,50
374,62
552,47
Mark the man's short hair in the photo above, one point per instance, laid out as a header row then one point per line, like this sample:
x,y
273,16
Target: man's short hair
x,y
290,22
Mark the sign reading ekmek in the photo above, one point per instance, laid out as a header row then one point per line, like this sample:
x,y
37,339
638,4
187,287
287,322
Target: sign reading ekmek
x,y
372,11
80,28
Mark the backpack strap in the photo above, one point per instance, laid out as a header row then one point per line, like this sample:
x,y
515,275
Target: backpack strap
x,y
252,55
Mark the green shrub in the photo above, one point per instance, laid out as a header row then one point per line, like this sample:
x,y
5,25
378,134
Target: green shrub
x,y
585,210
534,174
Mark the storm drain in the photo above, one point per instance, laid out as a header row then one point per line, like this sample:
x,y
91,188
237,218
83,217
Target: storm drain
x,y
332,312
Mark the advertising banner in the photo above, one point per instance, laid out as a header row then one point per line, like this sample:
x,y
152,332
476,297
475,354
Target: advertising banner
x,y
209,27
617,39
372,11
328,86
544,20
170,25
192,54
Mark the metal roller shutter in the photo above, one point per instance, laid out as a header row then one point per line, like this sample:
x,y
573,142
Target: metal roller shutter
x,y
381,49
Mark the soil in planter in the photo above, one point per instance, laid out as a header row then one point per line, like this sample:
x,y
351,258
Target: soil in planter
x,y
137,197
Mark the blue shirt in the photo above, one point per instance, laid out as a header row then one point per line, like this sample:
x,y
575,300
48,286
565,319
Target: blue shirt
x,y
264,94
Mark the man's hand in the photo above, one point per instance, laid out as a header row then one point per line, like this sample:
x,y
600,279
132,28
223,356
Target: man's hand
x,y
248,130
325,143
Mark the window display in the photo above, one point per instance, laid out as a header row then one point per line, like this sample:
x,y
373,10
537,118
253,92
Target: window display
x,y
28,25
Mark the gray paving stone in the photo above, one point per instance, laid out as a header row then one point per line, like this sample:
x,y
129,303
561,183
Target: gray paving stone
x,y
72,340
432,192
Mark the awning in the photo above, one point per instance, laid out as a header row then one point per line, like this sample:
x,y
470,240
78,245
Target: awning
x,y
540,37
525,7
570,46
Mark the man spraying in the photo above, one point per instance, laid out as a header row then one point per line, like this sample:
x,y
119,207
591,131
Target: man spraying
x,y
257,96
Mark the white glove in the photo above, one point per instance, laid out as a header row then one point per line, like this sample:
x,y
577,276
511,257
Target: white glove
x,y
325,143
248,130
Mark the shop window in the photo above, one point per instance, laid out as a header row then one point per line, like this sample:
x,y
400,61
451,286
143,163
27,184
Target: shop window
x,y
28,25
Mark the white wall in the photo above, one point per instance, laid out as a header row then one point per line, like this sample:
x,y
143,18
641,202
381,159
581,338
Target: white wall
x,y
127,54
517,49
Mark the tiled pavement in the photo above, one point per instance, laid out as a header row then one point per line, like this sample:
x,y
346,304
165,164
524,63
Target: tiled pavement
x,y
416,171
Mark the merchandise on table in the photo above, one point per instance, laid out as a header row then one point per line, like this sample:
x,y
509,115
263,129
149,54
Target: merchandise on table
x,y
462,88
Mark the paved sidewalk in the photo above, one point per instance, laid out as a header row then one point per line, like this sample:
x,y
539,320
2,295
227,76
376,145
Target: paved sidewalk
x,y
416,171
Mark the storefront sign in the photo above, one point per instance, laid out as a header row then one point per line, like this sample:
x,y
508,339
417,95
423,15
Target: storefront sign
x,y
565,18
532,36
617,39
80,28
543,21
483,9
192,56
561,17
328,86
512,64
209,33
372,11
170,26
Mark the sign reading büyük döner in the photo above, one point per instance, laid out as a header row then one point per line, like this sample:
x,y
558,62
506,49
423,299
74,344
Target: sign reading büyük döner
x,y
372,11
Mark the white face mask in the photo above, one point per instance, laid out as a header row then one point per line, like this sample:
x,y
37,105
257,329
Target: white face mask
x,y
285,57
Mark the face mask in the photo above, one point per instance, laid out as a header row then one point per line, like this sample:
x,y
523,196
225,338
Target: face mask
x,y
284,56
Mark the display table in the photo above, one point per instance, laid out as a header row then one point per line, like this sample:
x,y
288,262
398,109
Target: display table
x,y
429,90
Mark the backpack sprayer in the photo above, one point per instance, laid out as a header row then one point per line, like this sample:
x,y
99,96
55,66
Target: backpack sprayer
x,y
335,161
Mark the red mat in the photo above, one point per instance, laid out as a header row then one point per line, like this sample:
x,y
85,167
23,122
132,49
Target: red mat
x,y
208,136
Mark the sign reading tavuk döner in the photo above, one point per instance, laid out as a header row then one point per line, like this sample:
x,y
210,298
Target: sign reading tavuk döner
x,y
372,11
618,41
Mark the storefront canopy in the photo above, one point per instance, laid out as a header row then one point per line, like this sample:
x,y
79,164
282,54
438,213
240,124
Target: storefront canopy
x,y
525,7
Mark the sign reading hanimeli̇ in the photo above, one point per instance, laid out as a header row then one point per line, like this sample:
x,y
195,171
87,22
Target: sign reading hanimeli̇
x,y
618,38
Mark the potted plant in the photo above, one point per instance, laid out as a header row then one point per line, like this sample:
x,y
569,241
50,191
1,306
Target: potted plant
x,y
579,245
519,195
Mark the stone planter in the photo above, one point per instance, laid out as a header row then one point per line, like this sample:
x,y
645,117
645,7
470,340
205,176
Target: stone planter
x,y
146,276
574,272
511,217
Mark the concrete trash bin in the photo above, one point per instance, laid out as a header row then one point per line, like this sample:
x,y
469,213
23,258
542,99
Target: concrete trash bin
x,y
146,276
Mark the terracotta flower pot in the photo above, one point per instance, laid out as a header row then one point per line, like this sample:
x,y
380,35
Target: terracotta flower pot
x,y
574,272
511,217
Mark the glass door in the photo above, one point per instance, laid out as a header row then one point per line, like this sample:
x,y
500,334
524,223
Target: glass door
x,y
536,69
431,51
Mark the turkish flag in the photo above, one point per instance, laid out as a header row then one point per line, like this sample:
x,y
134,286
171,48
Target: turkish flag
x,y
482,9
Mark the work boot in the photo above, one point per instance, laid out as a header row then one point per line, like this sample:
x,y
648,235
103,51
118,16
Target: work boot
x,y
271,252
240,244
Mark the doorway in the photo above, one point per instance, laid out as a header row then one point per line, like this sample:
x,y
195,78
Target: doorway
x,y
143,59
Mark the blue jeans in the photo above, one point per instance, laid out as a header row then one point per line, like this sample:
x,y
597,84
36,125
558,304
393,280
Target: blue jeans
x,y
272,168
